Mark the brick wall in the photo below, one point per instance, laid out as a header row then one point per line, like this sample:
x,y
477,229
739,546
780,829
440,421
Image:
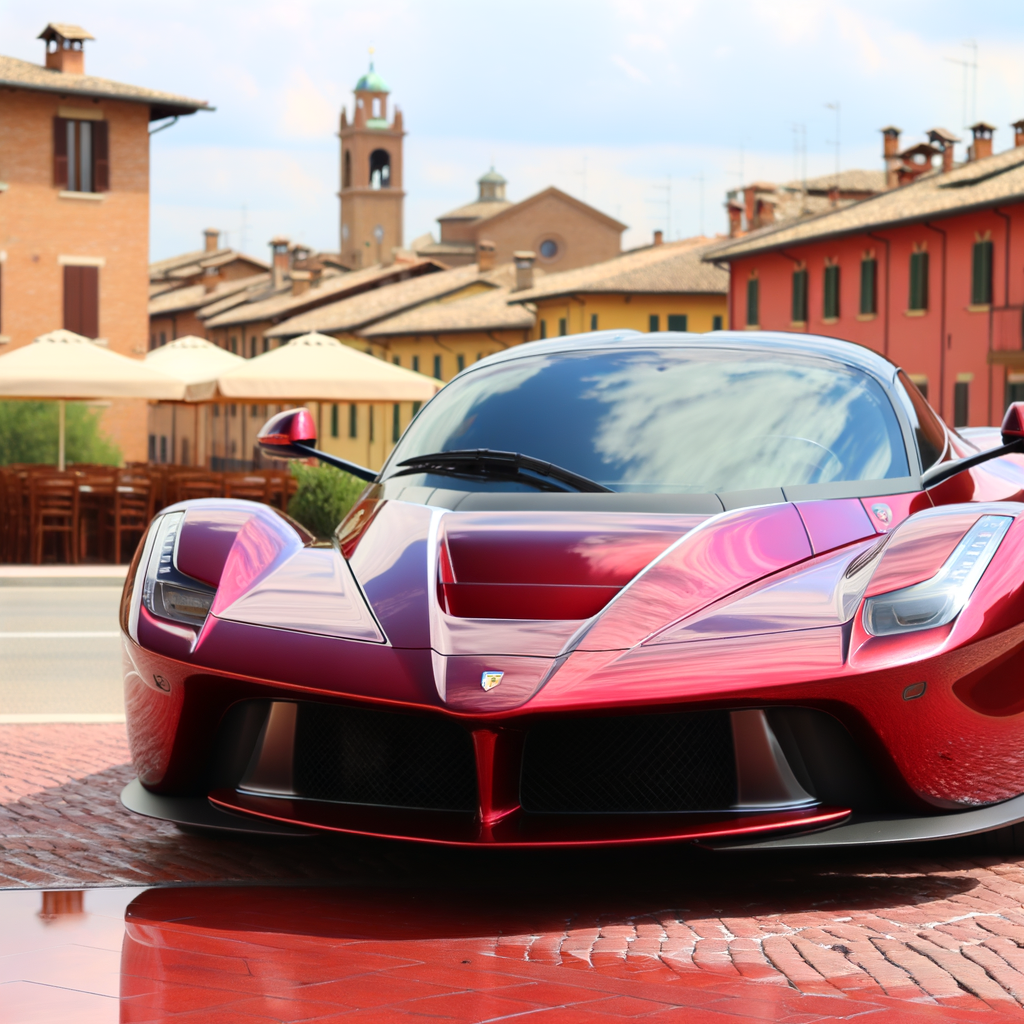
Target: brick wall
x,y
38,226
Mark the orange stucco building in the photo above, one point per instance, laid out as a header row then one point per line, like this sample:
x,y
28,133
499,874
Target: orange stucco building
x,y
74,207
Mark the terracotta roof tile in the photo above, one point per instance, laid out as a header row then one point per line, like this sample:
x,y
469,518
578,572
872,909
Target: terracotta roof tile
x,y
672,268
177,300
25,75
988,182
489,311
358,311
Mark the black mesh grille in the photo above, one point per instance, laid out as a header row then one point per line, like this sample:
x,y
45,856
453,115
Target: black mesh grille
x,y
636,764
374,757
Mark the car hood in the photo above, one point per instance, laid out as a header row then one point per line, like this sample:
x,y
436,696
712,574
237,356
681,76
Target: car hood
x,y
512,595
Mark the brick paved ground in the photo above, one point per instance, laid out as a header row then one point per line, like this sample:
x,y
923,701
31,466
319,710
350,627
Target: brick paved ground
x,y
940,926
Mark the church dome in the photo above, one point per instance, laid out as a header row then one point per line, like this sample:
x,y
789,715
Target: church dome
x,y
371,82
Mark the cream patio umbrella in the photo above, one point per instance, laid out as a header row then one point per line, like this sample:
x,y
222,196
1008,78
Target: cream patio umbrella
x,y
65,366
316,368
198,363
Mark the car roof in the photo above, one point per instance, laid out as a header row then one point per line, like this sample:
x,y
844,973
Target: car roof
x,y
749,341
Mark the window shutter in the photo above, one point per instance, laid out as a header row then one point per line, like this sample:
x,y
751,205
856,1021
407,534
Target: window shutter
x,y
82,300
753,297
868,284
981,276
60,153
100,157
799,310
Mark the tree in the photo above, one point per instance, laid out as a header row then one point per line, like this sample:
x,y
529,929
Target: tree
x,y
28,433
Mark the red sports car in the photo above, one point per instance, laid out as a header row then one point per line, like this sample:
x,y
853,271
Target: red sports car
x,y
739,589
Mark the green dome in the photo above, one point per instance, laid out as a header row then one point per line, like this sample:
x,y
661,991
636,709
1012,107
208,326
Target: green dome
x,y
371,82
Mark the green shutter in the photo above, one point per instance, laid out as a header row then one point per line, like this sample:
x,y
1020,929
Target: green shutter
x,y
753,299
868,287
831,305
799,296
919,280
981,276
677,321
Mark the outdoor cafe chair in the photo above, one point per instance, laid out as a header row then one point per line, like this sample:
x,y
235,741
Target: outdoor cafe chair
x,y
53,509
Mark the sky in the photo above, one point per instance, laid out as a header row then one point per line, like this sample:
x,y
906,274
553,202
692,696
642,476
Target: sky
x,y
648,109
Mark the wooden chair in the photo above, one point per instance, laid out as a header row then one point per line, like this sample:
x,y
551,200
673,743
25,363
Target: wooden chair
x,y
95,503
198,485
253,486
131,511
53,509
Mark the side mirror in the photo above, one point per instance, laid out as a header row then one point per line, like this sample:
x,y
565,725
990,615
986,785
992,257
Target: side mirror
x,y
292,435
1013,423
288,435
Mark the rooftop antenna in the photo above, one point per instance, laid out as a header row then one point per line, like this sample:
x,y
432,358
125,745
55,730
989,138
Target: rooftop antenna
x,y
836,107
970,71
700,178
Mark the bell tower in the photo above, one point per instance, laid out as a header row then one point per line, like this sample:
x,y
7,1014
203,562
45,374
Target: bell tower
x,y
371,176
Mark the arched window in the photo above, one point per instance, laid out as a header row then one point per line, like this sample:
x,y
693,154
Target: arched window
x,y
380,169
346,170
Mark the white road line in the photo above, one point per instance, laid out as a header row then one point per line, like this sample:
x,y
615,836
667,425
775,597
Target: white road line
x,y
83,718
59,636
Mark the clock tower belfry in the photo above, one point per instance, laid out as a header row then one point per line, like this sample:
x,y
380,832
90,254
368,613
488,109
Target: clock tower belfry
x,y
371,176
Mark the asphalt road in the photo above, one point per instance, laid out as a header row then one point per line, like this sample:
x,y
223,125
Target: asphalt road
x,y
59,649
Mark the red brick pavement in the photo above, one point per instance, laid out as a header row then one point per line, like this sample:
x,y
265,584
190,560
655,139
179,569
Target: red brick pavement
x,y
934,926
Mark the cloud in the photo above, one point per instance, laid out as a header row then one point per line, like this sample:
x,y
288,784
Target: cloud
x,y
635,73
308,112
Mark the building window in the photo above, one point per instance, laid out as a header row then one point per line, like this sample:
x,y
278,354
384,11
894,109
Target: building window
x,y
830,307
799,296
334,420
152,341
716,323
437,367
234,409
216,409
252,346
380,169
234,344
396,422
163,448
918,280
868,286
370,410
163,338
753,302
654,322
81,160
346,174
460,362
548,249
981,274
82,300
397,360
152,447
678,322
184,451
353,420
960,396
416,363
266,344
543,329
593,321
563,327
1014,392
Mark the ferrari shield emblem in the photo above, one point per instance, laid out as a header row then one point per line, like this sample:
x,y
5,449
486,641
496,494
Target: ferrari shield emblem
x,y
489,680
882,512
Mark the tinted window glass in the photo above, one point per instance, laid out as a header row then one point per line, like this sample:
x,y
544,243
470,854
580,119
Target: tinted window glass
x,y
928,430
672,421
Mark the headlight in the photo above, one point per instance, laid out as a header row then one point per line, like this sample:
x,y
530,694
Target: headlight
x,y
167,593
938,601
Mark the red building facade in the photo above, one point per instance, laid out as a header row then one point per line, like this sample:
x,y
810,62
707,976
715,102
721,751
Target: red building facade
x,y
930,274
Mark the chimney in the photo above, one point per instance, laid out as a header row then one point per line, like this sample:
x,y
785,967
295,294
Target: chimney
x,y
891,155
485,255
735,211
65,47
1018,132
211,237
765,211
982,145
211,278
301,281
659,237
280,261
524,269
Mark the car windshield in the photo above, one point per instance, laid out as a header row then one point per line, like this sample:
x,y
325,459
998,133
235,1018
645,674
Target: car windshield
x,y
670,420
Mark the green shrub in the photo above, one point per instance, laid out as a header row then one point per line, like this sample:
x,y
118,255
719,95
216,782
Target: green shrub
x,y
324,497
28,433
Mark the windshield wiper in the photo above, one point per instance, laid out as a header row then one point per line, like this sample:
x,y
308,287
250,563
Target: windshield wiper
x,y
484,461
